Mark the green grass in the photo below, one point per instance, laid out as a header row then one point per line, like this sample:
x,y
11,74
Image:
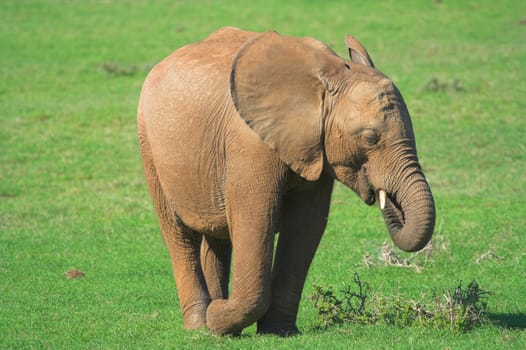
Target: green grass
x,y
72,193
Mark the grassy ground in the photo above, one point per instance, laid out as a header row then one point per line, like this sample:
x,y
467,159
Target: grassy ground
x,y
72,193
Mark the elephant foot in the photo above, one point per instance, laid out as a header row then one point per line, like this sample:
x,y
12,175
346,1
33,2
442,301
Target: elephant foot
x,y
227,317
278,323
279,330
219,318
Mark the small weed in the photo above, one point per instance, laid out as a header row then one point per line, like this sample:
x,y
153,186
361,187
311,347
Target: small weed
x,y
351,308
460,310
72,274
388,256
463,308
118,69
489,255
437,85
113,68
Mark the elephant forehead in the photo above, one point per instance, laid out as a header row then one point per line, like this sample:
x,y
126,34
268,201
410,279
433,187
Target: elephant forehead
x,y
372,101
373,104
379,92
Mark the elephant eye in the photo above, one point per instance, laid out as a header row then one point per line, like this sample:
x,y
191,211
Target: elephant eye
x,y
370,137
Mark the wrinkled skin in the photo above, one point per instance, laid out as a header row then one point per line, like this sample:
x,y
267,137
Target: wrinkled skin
x,y
242,136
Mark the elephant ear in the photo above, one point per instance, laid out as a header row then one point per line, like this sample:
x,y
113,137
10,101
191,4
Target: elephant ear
x,y
357,52
275,89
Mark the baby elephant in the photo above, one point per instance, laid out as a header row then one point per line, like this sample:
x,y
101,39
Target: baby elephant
x,y
242,136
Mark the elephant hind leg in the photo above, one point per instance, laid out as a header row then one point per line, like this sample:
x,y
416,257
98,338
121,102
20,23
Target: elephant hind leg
x,y
183,245
216,255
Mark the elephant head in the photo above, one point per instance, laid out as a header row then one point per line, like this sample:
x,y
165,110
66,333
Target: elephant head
x,y
322,113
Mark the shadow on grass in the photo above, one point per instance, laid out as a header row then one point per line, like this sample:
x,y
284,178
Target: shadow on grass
x,y
515,321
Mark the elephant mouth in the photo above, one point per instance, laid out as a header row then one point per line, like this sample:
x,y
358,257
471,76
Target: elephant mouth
x,y
408,210
391,211
370,197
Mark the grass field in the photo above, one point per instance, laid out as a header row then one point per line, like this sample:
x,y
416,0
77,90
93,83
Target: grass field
x,y
73,196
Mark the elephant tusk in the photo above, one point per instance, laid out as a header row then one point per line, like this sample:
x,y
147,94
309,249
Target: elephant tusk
x,y
382,196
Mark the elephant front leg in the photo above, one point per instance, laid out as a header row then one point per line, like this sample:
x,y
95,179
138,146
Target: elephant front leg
x,y
250,297
304,217
251,212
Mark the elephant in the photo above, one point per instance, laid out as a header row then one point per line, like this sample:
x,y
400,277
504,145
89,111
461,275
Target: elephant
x,y
242,136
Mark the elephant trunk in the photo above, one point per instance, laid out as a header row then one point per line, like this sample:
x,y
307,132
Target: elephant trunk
x,y
409,211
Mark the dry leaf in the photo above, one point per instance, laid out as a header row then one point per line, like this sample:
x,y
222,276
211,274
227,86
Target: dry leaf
x,y
71,274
